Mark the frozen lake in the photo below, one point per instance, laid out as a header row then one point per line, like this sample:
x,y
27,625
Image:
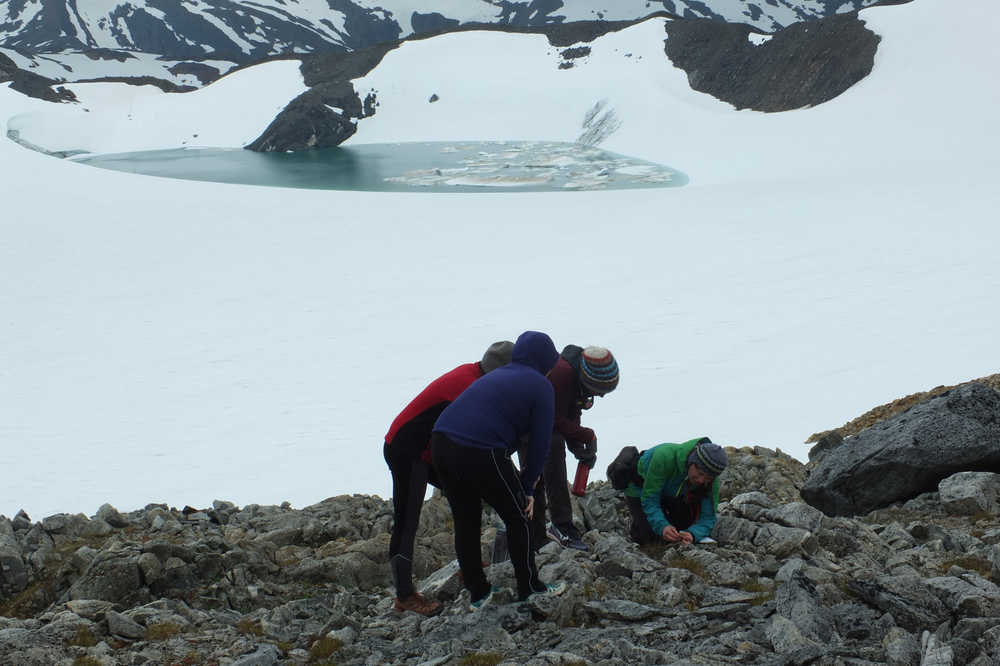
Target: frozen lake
x,y
407,167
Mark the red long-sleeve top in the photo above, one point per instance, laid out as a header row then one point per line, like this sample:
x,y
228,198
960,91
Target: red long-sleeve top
x,y
416,421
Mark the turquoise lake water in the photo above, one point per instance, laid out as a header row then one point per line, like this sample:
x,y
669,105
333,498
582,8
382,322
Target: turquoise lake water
x,y
407,167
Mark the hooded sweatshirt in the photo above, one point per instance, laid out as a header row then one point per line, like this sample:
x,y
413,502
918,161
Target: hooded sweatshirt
x,y
512,401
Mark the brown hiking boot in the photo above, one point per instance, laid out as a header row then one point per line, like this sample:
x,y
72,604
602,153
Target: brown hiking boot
x,y
418,604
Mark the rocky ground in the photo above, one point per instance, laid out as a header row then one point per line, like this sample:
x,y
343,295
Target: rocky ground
x,y
906,574
912,583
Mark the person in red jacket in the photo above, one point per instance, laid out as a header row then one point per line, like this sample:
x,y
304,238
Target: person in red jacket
x,y
580,375
407,452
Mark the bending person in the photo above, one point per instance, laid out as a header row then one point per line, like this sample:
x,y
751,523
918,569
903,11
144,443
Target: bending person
x,y
580,375
472,445
407,452
679,493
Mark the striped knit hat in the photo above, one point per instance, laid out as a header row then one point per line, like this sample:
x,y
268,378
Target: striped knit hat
x,y
710,458
598,370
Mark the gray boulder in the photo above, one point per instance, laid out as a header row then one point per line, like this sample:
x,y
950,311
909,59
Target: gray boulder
x,y
909,454
113,576
119,625
968,493
913,603
798,601
13,573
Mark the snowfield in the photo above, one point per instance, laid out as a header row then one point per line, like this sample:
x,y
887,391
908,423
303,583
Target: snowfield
x,y
176,341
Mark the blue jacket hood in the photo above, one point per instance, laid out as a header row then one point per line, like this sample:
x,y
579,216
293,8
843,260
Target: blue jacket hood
x,y
535,350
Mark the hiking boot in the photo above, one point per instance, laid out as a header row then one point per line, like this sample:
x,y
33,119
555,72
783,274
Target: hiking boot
x,y
566,536
418,604
483,602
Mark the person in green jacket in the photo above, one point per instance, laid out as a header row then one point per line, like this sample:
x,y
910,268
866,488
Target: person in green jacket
x,y
679,493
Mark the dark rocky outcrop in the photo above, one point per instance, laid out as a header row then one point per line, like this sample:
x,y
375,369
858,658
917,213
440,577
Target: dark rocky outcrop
x,y
909,454
162,84
205,73
802,65
31,84
318,118
324,116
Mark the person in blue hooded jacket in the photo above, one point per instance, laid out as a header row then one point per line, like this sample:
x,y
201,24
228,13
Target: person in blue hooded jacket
x,y
471,451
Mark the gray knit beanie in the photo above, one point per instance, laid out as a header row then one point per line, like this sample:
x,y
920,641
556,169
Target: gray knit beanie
x,y
710,458
497,354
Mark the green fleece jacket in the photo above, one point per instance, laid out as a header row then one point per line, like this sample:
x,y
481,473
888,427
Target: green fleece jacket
x,y
663,469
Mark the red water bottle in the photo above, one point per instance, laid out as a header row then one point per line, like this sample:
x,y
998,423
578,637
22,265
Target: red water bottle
x,y
580,481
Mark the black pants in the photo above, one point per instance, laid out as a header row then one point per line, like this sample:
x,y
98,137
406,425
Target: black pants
x,y
468,477
557,482
679,515
552,491
410,476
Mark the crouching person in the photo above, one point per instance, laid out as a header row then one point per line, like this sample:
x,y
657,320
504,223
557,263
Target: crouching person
x,y
674,491
471,452
407,452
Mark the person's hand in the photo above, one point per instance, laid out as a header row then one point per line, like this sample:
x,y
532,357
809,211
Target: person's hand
x,y
670,534
686,537
585,452
529,509
589,455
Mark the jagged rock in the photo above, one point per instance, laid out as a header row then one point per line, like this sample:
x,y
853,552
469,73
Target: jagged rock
x,y
13,572
901,648
110,515
786,637
933,653
774,474
90,609
119,625
970,493
912,603
798,515
969,596
150,567
804,64
265,655
113,576
21,521
323,116
909,454
600,509
797,601
991,641
621,609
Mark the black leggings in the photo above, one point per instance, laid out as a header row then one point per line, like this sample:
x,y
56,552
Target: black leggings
x,y
468,477
410,476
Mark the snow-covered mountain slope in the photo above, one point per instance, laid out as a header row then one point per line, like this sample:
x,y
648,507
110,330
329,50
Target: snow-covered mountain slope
x,y
244,31
186,341
80,66
115,117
